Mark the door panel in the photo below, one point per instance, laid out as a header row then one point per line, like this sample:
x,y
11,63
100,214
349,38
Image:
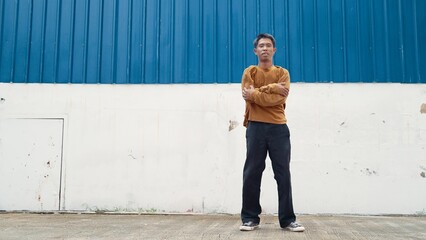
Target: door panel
x,y
30,164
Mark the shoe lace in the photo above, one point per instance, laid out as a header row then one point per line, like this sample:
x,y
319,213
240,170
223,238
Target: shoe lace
x,y
295,224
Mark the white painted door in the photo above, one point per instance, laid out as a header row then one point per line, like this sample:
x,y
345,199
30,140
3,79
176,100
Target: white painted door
x,y
30,164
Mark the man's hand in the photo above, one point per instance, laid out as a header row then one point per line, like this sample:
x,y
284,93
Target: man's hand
x,y
247,93
283,90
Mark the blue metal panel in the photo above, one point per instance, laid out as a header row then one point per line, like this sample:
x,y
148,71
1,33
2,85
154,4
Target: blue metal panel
x,y
123,31
418,29
280,28
8,34
94,36
294,41
35,53
165,42
180,42
237,50
308,36
323,42
22,42
194,42
208,44
222,42
411,46
365,50
65,42
352,43
151,42
210,41
136,52
51,44
108,41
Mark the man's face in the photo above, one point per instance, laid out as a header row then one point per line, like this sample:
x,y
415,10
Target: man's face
x,y
265,49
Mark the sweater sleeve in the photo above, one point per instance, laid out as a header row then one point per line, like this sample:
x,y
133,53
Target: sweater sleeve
x,y
247,79
246,82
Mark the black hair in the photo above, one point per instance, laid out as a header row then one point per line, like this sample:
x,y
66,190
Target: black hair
x,y
263,35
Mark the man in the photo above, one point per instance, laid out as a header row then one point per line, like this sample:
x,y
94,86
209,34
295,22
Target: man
x,y
265,89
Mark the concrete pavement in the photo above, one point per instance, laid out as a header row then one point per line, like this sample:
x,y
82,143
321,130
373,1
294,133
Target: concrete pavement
x,y
155,226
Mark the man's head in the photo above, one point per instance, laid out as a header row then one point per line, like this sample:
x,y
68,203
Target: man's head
x,y
264,47
263,35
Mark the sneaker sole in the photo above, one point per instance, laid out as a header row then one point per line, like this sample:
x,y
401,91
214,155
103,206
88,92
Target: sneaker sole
x,y
299,229
247,228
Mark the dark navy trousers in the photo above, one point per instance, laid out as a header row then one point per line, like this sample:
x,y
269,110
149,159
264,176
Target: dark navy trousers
x,y
263,139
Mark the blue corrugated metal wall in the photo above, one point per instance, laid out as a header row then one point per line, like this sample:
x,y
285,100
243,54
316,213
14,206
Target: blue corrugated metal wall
x,y
210,41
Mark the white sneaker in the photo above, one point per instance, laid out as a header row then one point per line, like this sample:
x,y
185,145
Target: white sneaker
x,y
295,227
249,226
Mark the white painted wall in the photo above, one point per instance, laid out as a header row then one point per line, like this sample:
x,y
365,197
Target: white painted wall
x,y
357,148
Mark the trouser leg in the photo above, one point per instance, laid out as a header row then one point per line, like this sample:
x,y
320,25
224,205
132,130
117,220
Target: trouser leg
x,y
279,152
252,174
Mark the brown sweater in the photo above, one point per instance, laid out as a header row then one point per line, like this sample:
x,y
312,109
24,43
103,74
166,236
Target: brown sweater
x,y
267,106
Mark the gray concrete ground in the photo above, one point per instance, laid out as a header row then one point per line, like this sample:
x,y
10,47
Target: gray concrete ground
x,y
127,226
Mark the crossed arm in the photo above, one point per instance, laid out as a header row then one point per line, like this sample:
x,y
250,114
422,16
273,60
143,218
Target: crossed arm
x,y
274,88
270,95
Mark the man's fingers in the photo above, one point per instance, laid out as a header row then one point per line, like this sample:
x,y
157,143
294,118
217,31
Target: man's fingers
x,y
247,89
285,92
246,92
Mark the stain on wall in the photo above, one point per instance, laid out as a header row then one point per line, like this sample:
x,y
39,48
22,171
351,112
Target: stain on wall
x,y
232,125
369,172
423,108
